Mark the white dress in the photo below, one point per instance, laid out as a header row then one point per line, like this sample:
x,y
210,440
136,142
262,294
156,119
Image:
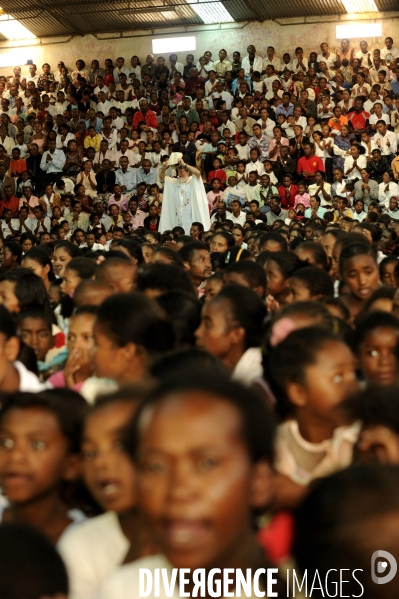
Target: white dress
x,y
184,203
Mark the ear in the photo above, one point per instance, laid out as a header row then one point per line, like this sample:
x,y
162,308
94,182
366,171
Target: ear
x,y
12,347
261,488
296,394
72,467
237,335
186,265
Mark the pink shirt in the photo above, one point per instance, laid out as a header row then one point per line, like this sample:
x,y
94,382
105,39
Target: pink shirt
x,y
122,203
302,199
138,219
272,145
33,201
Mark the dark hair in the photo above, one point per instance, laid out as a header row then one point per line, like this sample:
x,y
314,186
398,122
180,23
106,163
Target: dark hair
x,y
69,247
44,570
317,281
372,321
274,236
132,246
356,248
290,358
187,251
287,262
164,277
252,272
246,309
84,268
368,498
45,316
15,249
227,236
169,253
258,426
42,257
318,253
134,318
184,311
29,289
7,324
170,365
68,407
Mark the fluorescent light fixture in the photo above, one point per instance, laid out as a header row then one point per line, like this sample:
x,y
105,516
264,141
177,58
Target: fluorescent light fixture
x,y
358,31
173,44
13,29
358,6
144,11
211,12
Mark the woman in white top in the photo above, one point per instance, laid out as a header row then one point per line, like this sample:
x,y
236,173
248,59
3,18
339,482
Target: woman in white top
x,y
87,178
299,119
347,102
355,162
64,136
387,189
135,67
377,116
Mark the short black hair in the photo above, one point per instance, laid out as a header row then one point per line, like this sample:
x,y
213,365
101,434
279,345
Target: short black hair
x,y
317,281
44,573
164,277
252,272
187,251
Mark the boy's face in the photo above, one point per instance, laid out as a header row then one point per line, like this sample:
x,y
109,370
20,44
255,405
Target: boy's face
x,y
37,335
196,483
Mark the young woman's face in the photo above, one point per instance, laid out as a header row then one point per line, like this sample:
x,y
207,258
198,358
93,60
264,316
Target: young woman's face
x,y
378,356
108,357
196,481
298,291
70,281
219,244
107,471
276,284
329,380
80,337
147,253
61,259
8,297
38,269
35,333
361,275
33,455
238,237
389,276
212,288
216,331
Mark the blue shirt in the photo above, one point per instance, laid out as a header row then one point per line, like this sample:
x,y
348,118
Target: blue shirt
x,y
395,86
148,179
98,125
128,179
285,111
320,213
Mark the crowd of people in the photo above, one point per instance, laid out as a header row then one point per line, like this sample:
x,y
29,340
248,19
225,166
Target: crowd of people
x,y
199,329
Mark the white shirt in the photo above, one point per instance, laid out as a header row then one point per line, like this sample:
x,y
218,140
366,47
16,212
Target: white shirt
x,y
374,118
385,196
240,219
329,61
28,381
269,127
361,163
91,552
394,52
255,166
257,65
389,136
275,62
296,67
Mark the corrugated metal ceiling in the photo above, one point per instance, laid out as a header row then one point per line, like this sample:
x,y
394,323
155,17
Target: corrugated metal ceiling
x,y
52,17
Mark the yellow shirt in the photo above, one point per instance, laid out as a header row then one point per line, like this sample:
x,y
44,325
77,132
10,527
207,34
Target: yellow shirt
x,y
93,142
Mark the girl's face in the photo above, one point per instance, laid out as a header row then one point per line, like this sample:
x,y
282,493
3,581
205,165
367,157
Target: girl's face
x,y
26,246
276,284
216,333
328,381
107,471
298,292
8,297
80,337
203,517
361,275
378,356
212,288
70,281
109,359
389,276
219,244
38,269
61,259
147,253
238,237
301,189
33,455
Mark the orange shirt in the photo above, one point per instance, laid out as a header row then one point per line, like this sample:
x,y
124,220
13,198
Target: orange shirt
x,y
18,165
336,124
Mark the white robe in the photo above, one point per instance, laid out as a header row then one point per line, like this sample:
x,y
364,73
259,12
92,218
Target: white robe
x,y
184,204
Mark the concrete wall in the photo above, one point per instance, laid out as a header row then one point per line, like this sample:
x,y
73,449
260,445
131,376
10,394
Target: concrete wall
x,y
284,35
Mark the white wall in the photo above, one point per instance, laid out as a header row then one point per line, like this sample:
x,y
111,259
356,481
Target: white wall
x,y
284,35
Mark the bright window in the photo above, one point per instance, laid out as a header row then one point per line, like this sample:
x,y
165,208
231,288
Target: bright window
x,y
359,31
212,12
173,44
13,29
358,6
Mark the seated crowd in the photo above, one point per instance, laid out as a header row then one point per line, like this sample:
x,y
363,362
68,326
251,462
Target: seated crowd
x,y
123,345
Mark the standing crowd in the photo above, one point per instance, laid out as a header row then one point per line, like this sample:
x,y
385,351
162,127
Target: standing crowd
x,y
221,393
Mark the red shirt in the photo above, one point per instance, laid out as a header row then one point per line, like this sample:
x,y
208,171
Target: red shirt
x,y
358,121
150,118
219,174
12,204
311,164
287,195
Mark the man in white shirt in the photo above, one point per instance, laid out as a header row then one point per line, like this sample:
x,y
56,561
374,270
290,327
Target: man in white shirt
x,y
52,162
385,140
219,93
237,216
364,54
120,69
124,151
252,62
271,59
270,77
100,87
389,52
32,75
222,65
300,63
175,67
326,56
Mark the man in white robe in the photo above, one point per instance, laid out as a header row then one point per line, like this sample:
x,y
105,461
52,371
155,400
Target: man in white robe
x,y
184,199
